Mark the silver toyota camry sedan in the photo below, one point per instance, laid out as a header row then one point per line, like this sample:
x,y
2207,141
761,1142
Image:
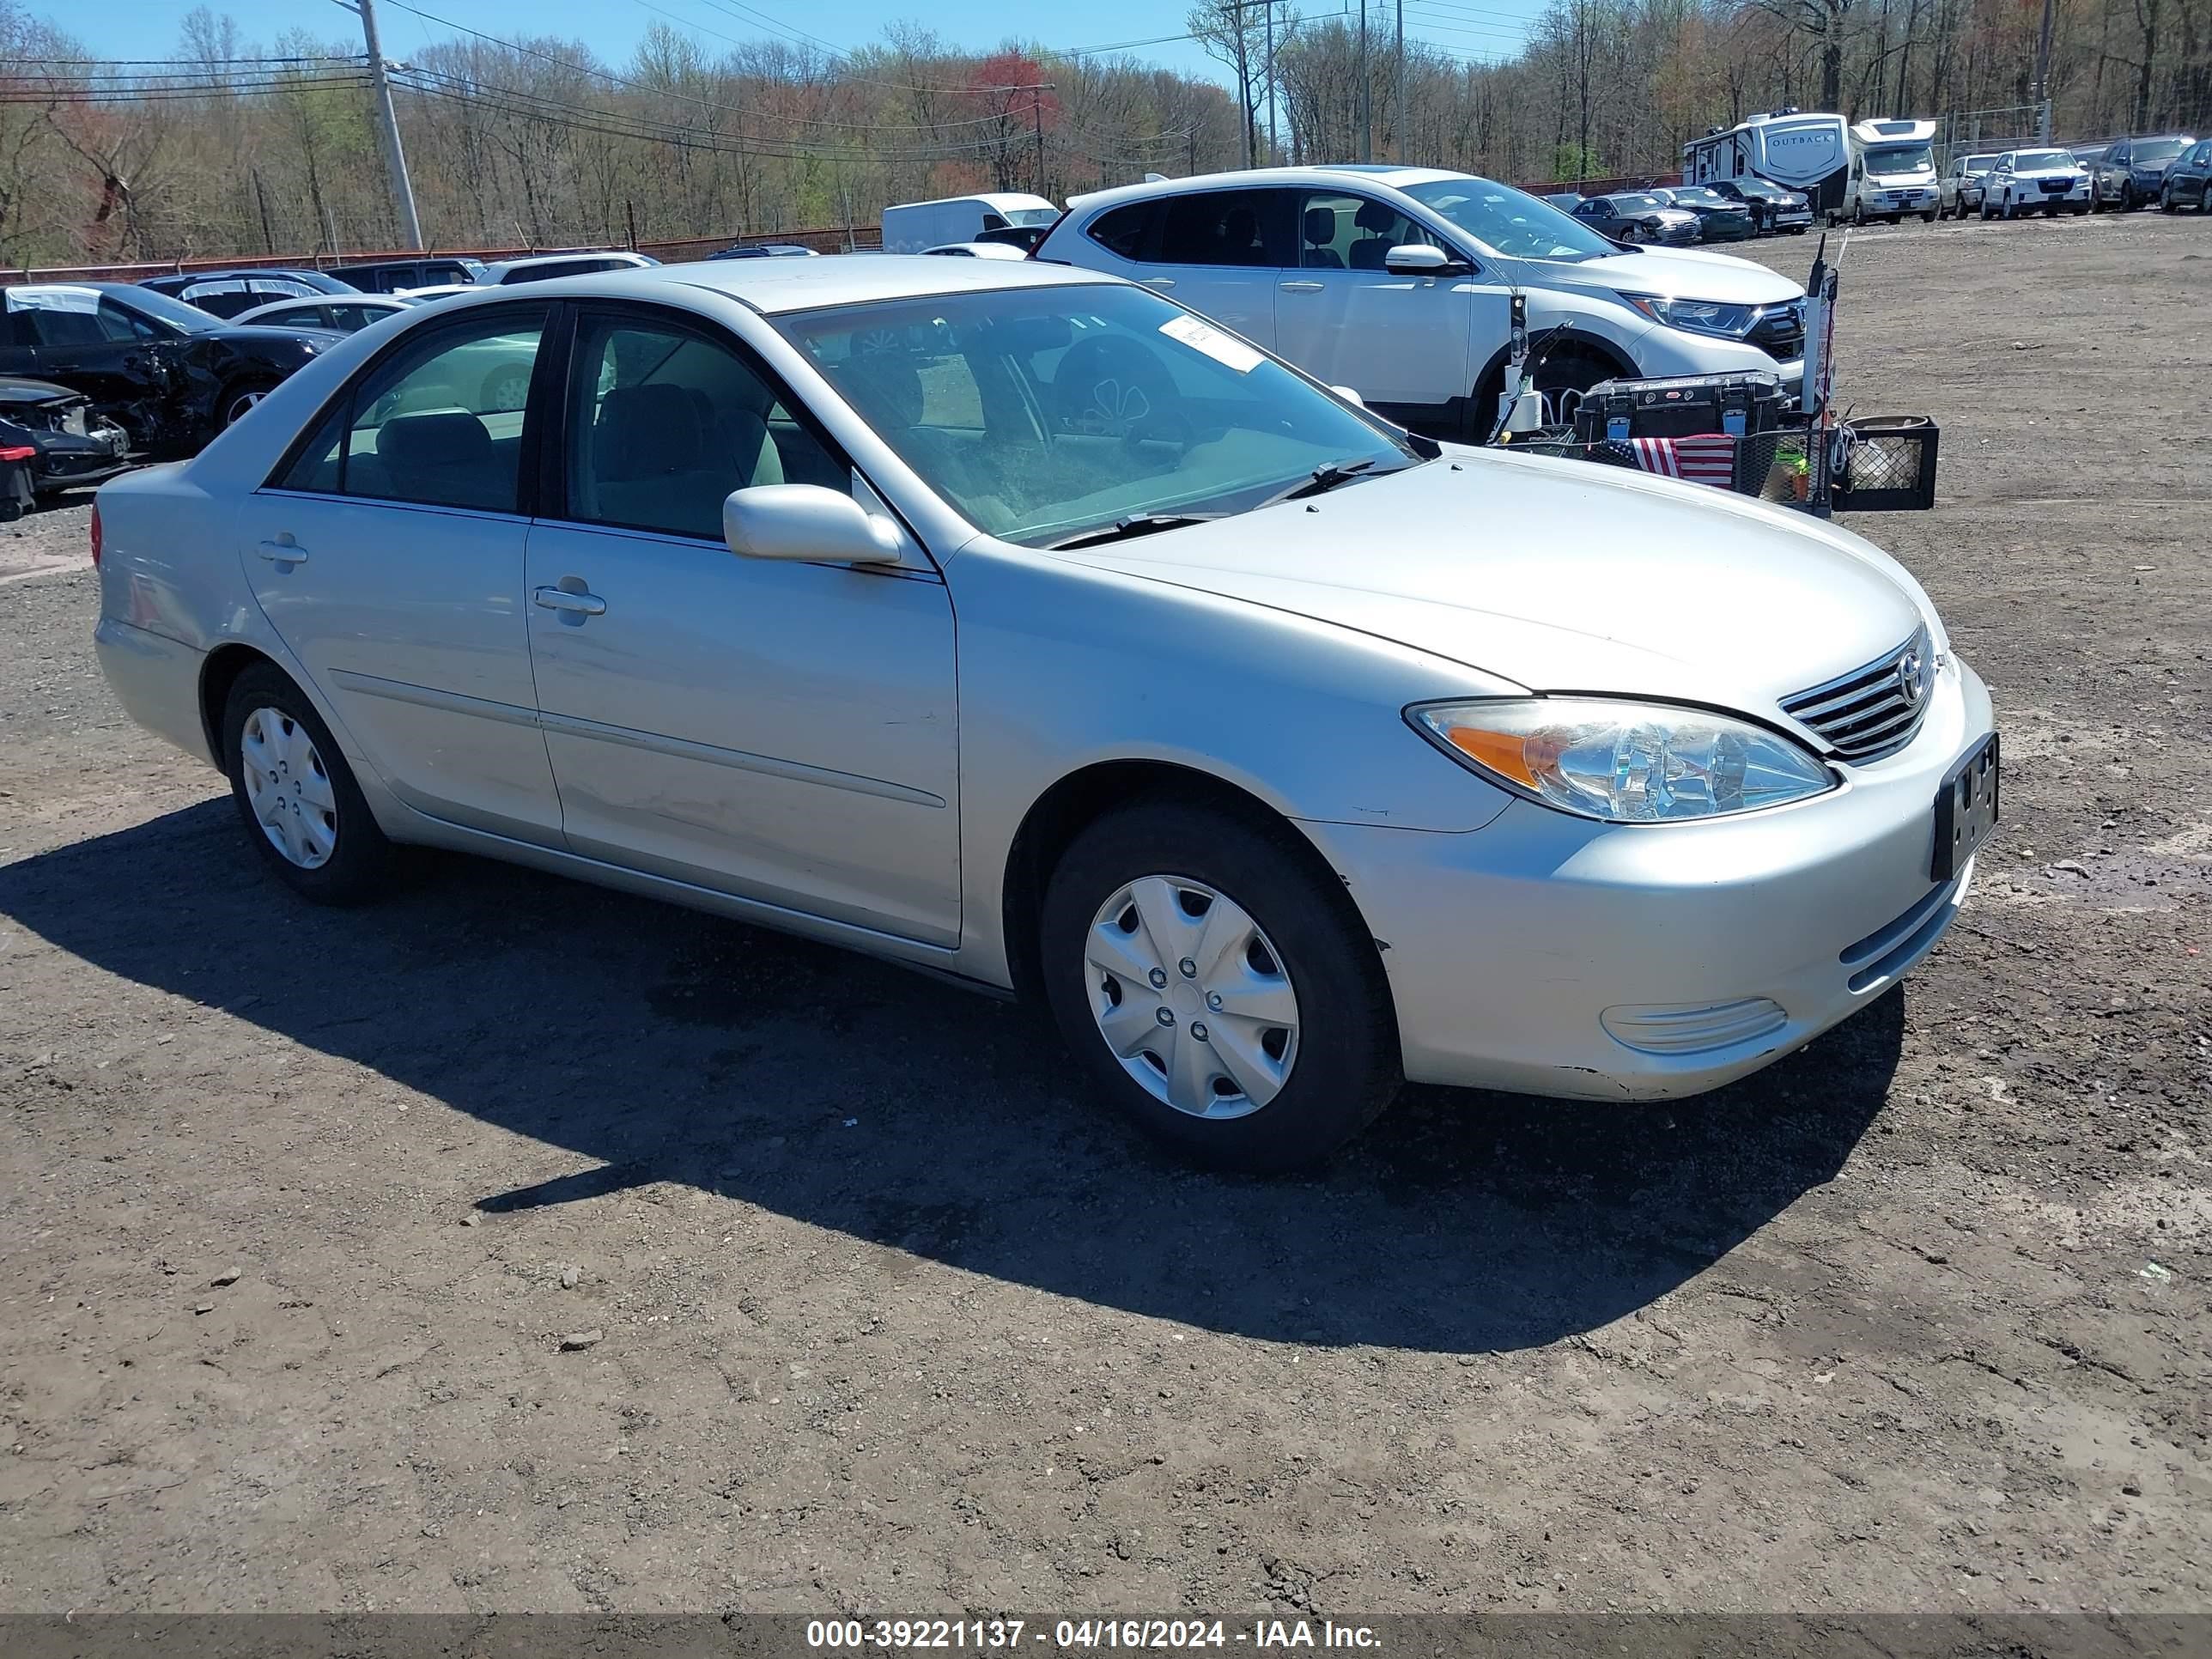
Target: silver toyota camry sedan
x,y
1018,624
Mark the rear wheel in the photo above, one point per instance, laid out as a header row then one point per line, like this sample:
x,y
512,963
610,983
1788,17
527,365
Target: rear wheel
x,y
296,794
1218,987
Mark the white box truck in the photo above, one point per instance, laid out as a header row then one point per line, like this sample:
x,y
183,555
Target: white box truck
x,y
914,226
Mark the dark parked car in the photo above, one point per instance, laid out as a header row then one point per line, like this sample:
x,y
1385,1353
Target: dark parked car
x,y
1565,200
50,439
2133,171
1773,210
171,376
2189,180
226,293
390,275
764,250
1638,216
1719,218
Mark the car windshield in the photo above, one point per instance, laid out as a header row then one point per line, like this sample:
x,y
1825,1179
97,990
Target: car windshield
x,y
1978,163
2041,158
161,308
1699,197
1639,203
1898,158
1043,413
1030,216
1508,222
2159,150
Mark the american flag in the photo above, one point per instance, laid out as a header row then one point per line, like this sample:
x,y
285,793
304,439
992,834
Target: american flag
x,y
1706,459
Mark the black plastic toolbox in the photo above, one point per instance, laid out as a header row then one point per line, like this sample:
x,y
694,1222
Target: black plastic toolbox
x,y
1741,405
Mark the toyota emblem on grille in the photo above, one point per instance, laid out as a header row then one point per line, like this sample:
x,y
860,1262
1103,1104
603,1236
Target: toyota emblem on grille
x,y
1912,675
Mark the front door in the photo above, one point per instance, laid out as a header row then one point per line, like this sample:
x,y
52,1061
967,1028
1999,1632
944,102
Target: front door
x,y
1402,342
388,555
80,337
779,731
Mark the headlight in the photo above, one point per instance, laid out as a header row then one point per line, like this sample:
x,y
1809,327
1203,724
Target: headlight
x,y
1624,763
1699,316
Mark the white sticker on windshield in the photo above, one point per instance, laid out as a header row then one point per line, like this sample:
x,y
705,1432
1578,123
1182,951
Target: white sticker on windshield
x,y
1201,336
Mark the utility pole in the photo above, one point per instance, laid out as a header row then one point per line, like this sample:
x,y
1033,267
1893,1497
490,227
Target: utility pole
x,y
1274,141
387,124
2043,79
1366,87
1036,110
1401,82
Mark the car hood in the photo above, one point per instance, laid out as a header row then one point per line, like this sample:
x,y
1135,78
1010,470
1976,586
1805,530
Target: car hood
x,y
1677,274
1561,576
18,393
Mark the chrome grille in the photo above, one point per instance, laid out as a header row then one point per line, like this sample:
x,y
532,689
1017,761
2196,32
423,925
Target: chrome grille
x,y
1868,712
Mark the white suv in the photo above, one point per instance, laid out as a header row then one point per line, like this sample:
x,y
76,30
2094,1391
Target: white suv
x,y
1397,283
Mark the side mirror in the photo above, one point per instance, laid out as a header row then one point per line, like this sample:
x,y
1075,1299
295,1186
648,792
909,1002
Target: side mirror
x,y
1349,395
808,523
1420,259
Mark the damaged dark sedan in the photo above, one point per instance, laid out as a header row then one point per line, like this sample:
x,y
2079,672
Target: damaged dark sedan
x,y
50,440
170,376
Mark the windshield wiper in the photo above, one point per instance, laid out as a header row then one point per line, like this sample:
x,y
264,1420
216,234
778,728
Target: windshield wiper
x,y
1138,524
1323,479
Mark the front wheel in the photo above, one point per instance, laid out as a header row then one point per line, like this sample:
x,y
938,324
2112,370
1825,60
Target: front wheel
x,y
237,399
296,794
1927,218
1217,986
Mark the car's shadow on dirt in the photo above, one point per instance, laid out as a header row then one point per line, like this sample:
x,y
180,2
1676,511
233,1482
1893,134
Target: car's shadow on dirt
x,y
656,1044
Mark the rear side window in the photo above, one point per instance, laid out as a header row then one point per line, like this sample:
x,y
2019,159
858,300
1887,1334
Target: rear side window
x,y
1125,231
1218,227
438,424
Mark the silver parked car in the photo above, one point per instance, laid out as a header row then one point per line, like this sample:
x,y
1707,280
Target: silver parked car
x,y
1018,623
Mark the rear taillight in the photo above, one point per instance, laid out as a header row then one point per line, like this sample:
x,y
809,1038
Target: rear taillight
x,y
95,535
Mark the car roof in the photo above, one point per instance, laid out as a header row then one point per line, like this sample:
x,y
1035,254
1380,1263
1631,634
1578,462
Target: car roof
x,y
536,259
776,286
1353,175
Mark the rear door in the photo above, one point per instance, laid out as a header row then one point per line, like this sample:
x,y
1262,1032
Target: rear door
x,y
1402,342
387,551
1218,251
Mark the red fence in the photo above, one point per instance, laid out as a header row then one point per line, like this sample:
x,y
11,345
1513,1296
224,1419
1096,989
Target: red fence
x,y
833,241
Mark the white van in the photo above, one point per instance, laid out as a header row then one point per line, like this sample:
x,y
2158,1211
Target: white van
x,y
916,226
1892,173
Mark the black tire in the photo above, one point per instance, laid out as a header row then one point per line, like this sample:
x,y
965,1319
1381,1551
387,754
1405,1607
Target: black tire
x,y
237,398
361,861
1345,1067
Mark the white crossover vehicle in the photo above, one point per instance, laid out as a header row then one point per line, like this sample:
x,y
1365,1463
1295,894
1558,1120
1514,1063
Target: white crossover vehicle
x,y
2024,181
1020,624
1399,283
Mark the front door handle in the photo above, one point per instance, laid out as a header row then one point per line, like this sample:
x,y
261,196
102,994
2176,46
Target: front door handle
x,y
284,550
1302,288
576,604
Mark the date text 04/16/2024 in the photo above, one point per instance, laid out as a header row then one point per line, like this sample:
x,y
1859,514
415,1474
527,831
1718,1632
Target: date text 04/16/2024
x,y
1162,1634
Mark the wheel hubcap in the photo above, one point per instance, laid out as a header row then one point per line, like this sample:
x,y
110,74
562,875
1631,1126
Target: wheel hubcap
x,y
1192,997
287,788
240,404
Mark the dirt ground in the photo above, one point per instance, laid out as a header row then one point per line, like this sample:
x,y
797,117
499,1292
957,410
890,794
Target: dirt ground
x,y
891,1320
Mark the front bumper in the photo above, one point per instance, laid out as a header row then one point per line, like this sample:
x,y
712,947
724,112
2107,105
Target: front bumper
x,y
1554,956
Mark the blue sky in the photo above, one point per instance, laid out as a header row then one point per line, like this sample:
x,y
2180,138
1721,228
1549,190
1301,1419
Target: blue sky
x,y
145,28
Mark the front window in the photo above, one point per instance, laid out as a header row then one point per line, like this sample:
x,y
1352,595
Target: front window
x,y
1509,222
1885,159
1044,414
179,318
1352,232
2159,150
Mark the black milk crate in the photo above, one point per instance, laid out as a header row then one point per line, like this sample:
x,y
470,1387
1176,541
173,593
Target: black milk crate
x,y
1889,465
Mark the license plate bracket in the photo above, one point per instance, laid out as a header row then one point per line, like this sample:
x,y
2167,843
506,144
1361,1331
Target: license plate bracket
x,y
1965,810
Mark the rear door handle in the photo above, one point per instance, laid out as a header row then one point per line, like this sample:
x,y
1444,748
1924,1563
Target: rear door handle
x,y
1302,288
576,604
283,552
